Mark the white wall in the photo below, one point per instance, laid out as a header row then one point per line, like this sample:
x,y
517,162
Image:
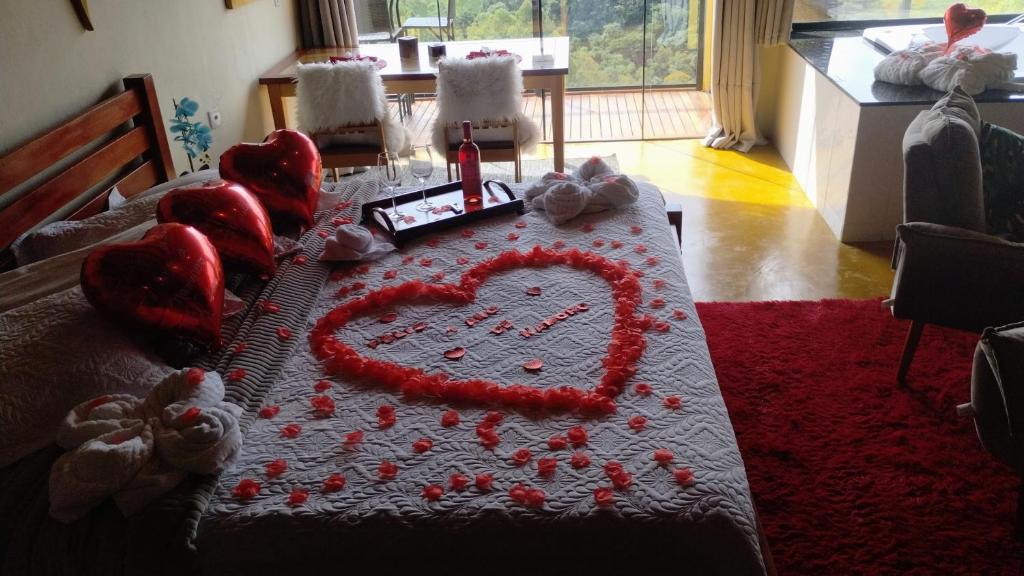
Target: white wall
x,y
51,68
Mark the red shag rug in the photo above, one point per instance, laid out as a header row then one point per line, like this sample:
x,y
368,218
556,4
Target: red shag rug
x,y
852,474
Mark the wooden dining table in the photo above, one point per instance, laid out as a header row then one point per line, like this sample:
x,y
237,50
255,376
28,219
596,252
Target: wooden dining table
x,y
419,75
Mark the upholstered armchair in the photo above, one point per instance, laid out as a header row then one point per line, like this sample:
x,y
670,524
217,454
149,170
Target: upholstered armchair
x,y
958,259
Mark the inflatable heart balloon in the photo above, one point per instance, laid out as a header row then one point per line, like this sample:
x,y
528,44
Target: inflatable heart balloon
x,y
232,219
284,172
962,22
171,281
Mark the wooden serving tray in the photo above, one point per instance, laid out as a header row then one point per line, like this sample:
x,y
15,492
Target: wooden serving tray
x,y
498,199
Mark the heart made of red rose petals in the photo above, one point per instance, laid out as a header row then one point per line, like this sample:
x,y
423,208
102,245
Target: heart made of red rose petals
x,y
625,347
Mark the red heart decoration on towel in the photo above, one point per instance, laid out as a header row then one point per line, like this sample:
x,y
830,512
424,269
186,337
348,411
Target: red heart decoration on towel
x,y
284,172
171,280
230,217
962,22
624,349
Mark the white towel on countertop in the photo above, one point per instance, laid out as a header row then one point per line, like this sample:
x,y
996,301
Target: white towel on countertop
x,y
354,242
135,450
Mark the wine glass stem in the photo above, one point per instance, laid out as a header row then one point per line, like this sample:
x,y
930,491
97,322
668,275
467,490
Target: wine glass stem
x,y
394,206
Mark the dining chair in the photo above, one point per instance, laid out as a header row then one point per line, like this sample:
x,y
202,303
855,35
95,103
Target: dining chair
x,y
382,22
487,91
438,24
343,107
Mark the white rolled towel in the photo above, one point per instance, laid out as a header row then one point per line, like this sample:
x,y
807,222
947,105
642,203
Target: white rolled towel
x,y
201,440
193,386
354,242
81,479
594,187
96,417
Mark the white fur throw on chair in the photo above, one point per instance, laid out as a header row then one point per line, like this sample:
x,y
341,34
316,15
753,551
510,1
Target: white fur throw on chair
x,y
345,94
481,90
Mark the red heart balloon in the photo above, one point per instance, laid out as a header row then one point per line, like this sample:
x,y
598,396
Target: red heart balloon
x,y
230,217
284,172
171,280
625,348
962,22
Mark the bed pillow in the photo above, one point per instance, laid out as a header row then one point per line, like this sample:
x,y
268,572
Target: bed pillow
x,y
68,235
54,354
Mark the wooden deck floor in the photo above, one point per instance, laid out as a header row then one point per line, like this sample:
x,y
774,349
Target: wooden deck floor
x,y
604,116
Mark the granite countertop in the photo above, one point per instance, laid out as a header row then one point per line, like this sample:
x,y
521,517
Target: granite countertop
x,y
848,60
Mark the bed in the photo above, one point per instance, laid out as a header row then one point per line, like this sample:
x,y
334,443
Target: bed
x,y
466,474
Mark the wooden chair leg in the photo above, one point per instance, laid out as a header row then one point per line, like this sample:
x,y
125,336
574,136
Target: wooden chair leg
x,y
334,171
909,347
448,163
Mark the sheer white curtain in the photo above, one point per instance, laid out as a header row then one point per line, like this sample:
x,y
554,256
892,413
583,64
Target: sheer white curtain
x,y
738,28
328,23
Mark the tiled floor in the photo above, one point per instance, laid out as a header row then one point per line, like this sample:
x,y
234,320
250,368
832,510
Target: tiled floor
x,y
749,232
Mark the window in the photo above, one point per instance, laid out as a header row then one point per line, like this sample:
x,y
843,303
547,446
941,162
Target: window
x,y
840,10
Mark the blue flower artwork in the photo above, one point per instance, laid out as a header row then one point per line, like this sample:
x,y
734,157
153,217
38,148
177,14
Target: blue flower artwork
x,y
195,137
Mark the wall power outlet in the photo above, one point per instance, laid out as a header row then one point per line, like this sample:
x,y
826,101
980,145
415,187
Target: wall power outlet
x,y
214,117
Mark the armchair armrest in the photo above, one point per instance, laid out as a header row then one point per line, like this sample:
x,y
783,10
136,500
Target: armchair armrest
x,y
958,278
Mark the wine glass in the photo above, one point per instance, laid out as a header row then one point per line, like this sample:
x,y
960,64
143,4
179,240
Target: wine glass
x,y
421,166
390,176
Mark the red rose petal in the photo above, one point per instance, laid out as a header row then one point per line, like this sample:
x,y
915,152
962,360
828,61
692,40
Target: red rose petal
x,y
334,483
662,456
291,430
462,260
300,259
512,236
284,333
437,276
588,227
484,482
640,249
323,406
480,245
269,411
635,229
546,467
520,224
533,291
387,318
684,477
558,443
642,388
190,416
638,423
194,377
534,365
298,497
426,262
455,353
657,303
577,436
579,460
353,439
616,244
391,274
239,348
604,496
408,259
322,386
276,467
679,314
458,482
433,242
323,234
672,402
385,416
236,374
535,497
422,445
558,244
493,417
246,489
468,233
522,456
652,260
433,492
387,470
449,419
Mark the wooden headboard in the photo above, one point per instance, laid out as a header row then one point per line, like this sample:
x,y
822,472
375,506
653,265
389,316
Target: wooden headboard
x,y
133,152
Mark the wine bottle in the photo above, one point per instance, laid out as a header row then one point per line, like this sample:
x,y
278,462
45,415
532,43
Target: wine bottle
x,y
469,166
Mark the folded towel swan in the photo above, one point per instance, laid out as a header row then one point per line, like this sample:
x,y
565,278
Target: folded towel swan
x,y
135,450
594,187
